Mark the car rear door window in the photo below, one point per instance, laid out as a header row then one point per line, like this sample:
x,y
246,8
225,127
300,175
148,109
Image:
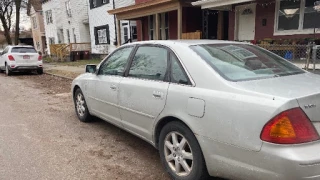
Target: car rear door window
x,y
177,73
116,63
150,63
23,50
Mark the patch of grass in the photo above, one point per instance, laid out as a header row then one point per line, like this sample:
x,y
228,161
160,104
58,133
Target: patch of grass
x,y
79,62
48,59
68,74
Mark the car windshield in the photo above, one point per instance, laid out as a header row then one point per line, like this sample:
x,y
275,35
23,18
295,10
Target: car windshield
x,y
23,50
241,62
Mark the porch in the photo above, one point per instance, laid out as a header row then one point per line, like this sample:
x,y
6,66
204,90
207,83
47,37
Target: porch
x,y
253,20
162,20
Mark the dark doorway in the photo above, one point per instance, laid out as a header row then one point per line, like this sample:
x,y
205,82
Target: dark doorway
x,y
215,24
226,25
209,24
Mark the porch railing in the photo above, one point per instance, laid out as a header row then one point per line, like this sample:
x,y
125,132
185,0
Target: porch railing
x,y
192,35
62,51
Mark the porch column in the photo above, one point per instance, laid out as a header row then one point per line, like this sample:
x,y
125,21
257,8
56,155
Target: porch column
x,y
157,29
179,11
220,25
118,33
141,30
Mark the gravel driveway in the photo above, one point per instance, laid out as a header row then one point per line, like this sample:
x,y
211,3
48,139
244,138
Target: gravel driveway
x,y
41,138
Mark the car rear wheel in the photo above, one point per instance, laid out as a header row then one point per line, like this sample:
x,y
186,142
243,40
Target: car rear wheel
x,y
81,107
40,71
8,72
180,153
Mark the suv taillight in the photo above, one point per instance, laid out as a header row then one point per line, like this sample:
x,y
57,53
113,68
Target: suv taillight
x,y
40,58
11,58
289,127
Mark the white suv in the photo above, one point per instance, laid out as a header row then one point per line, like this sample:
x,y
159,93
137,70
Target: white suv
x,y
20,58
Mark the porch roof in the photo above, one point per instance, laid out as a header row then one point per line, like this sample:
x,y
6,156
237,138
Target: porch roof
x,y
207,4
145,9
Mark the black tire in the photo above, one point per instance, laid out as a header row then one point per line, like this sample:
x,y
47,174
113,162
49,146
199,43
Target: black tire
x,y
85,117
40,71
199,169
8,71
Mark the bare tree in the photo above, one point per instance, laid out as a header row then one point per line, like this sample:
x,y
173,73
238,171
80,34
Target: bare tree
x,y
6,9
18,4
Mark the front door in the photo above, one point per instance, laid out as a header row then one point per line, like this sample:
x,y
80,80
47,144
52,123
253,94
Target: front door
x,y
104,98
246,16
143,93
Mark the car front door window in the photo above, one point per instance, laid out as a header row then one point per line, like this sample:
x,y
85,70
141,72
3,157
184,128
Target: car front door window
x,y
116,63
149,63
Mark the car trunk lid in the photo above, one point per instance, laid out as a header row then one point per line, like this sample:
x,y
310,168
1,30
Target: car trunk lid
x,y
305,88
25,55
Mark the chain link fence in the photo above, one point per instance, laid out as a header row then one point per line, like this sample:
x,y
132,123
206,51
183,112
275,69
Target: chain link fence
x,y
304,56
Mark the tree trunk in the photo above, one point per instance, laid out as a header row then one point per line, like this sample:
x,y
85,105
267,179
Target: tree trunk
x,y
17,32
6,30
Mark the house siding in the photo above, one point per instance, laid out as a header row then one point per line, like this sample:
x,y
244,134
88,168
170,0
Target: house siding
x,y
61,21
100,17
267,31
38,33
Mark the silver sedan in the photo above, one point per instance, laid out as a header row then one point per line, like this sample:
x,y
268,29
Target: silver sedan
x,y
211,108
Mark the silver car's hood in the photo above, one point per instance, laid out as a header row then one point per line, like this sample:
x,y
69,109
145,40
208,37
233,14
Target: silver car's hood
x,y
291,87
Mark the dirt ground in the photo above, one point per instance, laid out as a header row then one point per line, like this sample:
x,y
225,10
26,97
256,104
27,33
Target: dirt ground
x,y
41,137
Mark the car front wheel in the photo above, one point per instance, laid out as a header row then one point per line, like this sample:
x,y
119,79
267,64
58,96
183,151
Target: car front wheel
x,y
81,107
180,153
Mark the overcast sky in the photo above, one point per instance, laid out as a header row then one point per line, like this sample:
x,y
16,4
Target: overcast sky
x,y
25,22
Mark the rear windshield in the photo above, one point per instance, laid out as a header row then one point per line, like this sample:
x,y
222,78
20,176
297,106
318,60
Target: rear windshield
x,y
240,62
23,50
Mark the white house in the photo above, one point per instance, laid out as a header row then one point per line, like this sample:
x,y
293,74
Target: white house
x,y
66,21
103,25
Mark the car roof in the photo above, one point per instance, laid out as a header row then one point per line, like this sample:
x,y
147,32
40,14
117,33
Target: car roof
x,y
20,46
186,42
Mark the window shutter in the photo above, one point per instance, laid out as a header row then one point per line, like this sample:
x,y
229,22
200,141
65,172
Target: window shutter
x,y
96,36
108,34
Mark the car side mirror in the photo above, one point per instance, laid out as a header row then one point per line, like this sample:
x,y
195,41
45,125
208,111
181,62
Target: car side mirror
x,y
91,68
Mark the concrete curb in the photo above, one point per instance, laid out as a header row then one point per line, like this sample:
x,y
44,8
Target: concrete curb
x,y
64,77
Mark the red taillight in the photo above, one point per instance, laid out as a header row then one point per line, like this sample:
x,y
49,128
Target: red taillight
x,y
289,127
40,58
11,58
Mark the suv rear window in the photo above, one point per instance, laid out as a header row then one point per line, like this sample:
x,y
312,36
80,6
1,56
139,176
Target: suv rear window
x,y
23,50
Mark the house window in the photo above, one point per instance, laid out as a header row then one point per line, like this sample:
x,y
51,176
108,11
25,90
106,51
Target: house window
x,y
125,34
38,46
163,25
311,16
97,3
34,22
102,34
51,40
68,35
296,16
74,35
68,8
152,25
49,16
134,33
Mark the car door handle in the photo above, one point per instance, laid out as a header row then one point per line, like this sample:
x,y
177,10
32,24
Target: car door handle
x,y
157,95
113,87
